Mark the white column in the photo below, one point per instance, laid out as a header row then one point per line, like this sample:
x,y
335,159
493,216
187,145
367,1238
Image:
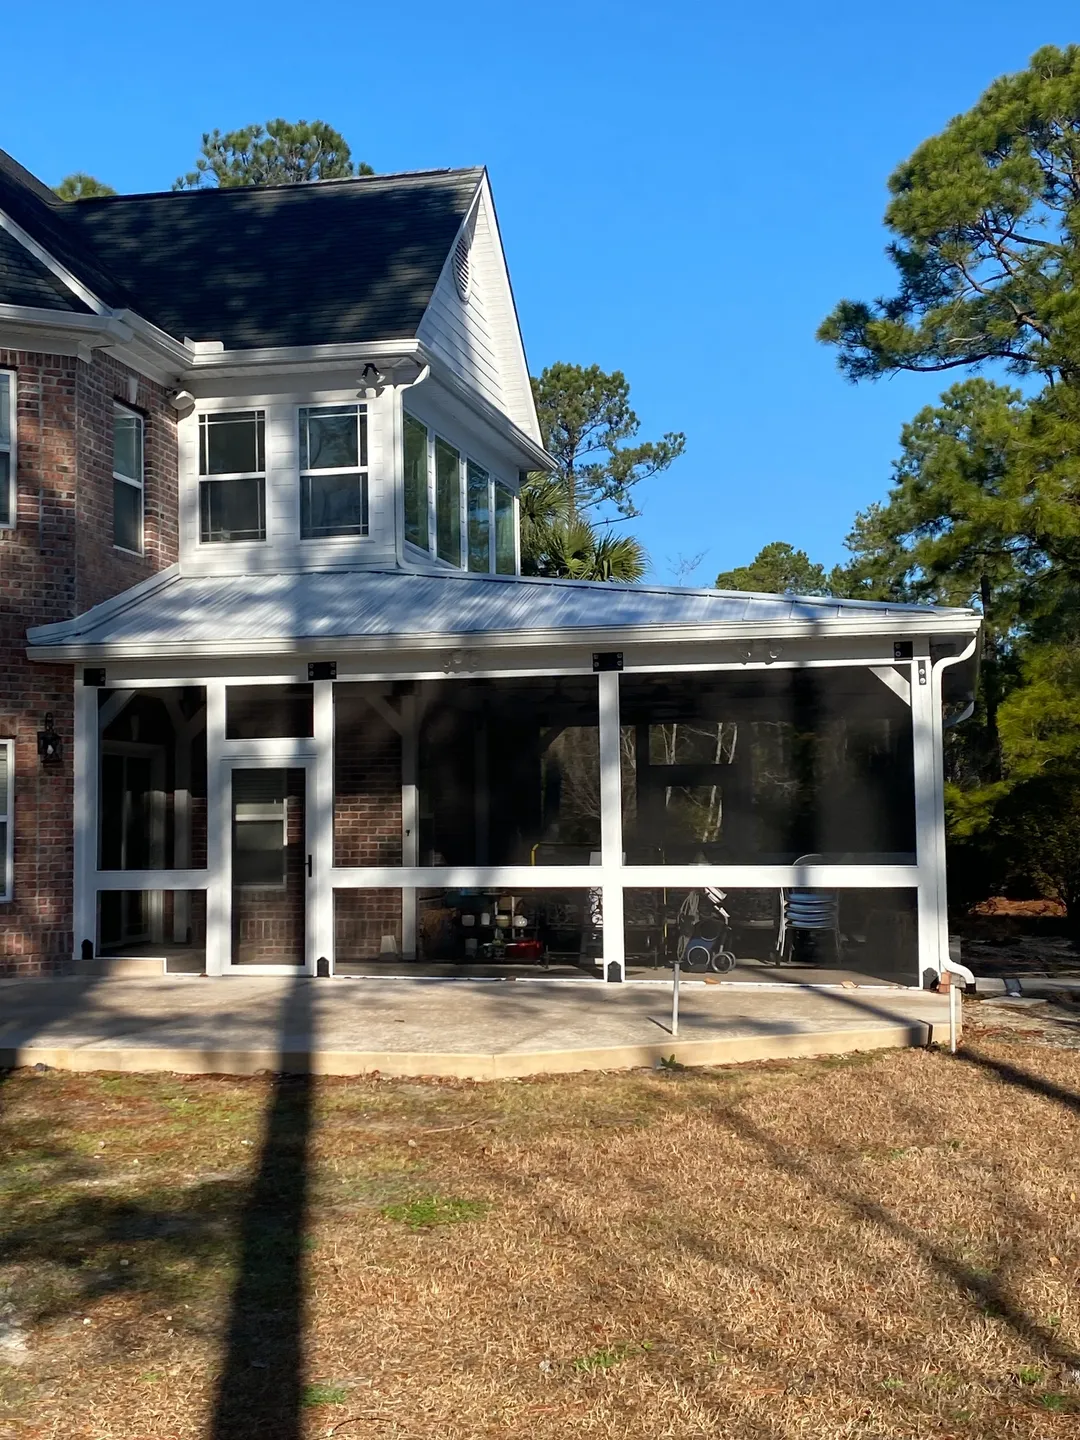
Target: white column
x,y
321,831
929,814
86,766
410,818
218,836
611,841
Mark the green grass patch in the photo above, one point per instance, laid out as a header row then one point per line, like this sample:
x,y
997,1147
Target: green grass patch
x,y
431,1210
320,1393
604,1359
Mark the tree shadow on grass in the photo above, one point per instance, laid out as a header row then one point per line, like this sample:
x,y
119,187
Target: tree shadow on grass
x,y
260,1390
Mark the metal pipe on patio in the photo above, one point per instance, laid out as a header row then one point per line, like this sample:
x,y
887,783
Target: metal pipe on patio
x,y
675,997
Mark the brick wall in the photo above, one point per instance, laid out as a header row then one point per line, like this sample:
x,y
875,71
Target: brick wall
x,y
367,783
58,561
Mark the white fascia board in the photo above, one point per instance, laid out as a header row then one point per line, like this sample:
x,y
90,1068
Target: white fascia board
x,y
61,272
534,455
551,639
521,358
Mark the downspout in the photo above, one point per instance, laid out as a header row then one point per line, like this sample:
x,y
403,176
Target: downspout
x,y
398,423
936,681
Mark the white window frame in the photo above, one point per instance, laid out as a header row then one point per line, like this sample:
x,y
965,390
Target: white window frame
x,y
411,545
10,449
259,411
7,849
138,485
362,468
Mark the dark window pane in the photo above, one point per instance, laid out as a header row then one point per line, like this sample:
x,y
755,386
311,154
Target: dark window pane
x,y
416,483
127,516
333,505
331,437
127,444
268,712
231,443
505,537
448,502
7,498
479,539
232,510
5,409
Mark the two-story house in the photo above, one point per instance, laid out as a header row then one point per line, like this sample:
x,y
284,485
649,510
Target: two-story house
x,y
274,695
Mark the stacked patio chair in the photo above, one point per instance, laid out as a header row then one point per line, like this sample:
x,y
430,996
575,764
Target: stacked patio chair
x,y
803,910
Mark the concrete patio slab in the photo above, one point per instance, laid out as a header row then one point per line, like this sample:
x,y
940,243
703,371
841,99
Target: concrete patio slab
x,y
477,1030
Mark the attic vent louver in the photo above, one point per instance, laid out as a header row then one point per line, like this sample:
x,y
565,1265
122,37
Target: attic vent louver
x,y
461,267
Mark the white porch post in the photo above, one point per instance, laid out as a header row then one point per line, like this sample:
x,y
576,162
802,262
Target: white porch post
x,y
611,840
410,819
321,839
86,768
218,837
929,814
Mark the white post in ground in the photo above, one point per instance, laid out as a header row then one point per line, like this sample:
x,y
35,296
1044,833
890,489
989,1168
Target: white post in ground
x,y
611,840
86,769
410,819
218,835
321,838
929,814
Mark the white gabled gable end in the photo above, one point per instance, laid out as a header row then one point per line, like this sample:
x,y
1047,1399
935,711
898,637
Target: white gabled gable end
x,y
471,321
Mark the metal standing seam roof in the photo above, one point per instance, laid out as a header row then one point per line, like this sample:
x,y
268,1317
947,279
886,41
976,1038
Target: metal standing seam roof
x,y
289,609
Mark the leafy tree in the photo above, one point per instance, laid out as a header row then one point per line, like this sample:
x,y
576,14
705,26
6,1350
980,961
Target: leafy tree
x,y
80,186
984,217
586,421
277,153
777,569
572,549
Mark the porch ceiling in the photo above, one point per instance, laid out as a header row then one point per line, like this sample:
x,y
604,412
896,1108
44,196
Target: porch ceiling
x,y
182,616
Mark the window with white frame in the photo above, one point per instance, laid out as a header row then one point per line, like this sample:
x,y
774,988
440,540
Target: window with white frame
x,y
505,546
417,527
447,502
7,817
478,512
127,479
232,476
7,449
333,471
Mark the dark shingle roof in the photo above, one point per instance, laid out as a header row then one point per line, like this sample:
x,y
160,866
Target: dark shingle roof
x,y
335,261
24,280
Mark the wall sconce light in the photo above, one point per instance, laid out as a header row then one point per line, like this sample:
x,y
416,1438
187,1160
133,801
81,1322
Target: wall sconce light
x,y
48,743
371,380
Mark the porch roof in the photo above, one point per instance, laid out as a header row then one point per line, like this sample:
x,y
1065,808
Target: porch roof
x,y
300,612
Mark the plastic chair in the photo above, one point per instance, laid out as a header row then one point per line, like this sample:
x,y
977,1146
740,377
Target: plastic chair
x,y
803,909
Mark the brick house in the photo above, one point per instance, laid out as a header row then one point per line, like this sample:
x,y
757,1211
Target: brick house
x,y
275,695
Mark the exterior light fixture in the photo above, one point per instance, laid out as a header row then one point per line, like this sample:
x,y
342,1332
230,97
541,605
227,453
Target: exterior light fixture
x,y
48,743
372,380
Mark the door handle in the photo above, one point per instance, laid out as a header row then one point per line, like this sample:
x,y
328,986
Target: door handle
x,y
309,867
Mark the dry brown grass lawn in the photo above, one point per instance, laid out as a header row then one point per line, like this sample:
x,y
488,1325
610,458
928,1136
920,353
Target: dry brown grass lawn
x,y
885,1246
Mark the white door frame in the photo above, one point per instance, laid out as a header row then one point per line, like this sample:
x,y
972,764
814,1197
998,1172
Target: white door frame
x,y
288,756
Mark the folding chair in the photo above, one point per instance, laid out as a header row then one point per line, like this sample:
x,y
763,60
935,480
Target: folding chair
x,y
806,910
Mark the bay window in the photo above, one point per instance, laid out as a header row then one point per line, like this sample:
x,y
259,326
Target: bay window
x,y
478,508
447,502
416,483
232,467
333,471
505,531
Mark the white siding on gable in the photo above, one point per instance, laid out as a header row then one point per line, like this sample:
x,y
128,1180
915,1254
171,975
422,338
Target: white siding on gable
x,y
459,331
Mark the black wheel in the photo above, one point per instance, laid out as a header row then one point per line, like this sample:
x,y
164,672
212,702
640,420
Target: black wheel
x,y
723,961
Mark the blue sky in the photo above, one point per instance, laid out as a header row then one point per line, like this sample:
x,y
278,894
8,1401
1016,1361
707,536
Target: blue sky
x,y
684,190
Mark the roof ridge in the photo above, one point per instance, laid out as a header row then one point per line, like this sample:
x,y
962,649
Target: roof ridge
x,y
305,185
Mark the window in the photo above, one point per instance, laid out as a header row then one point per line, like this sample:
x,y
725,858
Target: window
x,y
505,532
127,479
479,506
447,502
416,483
333,471
232,450
7,449
7,818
